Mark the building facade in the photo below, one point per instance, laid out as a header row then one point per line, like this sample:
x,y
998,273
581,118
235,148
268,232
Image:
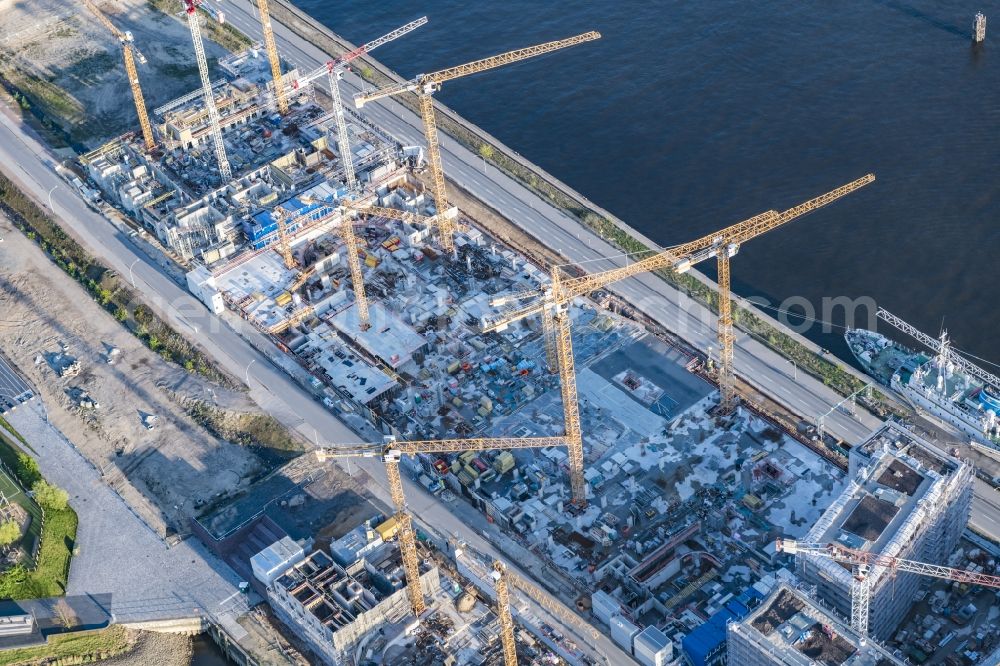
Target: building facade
x,y
331,607
907,499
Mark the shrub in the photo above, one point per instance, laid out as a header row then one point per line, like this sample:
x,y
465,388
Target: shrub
x,y
10,532
26,470
50,497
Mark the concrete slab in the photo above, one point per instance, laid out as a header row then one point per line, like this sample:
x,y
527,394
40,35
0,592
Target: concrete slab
x,y
662,365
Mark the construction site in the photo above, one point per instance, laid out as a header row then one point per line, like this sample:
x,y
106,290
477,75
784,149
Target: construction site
x,y
665,517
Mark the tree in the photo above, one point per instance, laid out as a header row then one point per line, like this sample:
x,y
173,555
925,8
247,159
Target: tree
x,y
64,615
486,151
50,497
10,532
27,470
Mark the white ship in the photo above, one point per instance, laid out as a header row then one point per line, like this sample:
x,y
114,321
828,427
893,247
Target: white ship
x,y
945,385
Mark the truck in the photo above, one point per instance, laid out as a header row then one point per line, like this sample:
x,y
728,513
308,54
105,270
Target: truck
x,y
433,486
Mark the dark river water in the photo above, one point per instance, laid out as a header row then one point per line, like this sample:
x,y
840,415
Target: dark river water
x,y
206,653
690,116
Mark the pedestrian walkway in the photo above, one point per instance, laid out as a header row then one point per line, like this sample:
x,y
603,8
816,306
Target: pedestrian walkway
x,y
117,553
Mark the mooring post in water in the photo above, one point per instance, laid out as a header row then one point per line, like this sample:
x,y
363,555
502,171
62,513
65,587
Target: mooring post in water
x,y
979,28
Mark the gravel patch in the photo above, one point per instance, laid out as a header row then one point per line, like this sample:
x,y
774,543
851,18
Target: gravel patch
x,y
155,649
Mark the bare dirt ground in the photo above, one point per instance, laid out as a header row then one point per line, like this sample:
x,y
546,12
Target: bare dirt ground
x,y
155,649
58,51
166,474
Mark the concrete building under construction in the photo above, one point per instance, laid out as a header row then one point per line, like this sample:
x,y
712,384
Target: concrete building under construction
x,y
790,629
332,606
907,499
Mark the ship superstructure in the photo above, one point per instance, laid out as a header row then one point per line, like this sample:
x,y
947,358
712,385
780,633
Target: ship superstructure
x,y
946,385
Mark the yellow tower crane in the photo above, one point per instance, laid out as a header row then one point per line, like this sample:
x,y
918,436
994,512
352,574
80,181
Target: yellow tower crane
x,y
284,245
504,580
351,242
390,451
272,56
351,246
292,320
129,53
301,279
365,207
425,85
553,303
371,210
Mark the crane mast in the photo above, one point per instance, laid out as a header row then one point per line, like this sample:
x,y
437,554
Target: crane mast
x,y
570,399
351,246
129,54
865,561
272,56
503,612
504,580
390,451
351,243
191,6
335,72
284,246
426,85
555,300
357,276
445,229
407,539
343,142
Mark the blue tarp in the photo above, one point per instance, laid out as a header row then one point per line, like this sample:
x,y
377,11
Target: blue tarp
x,y
702,646
263,223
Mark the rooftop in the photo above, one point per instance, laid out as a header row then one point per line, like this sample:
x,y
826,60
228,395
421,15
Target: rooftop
x,y
344,369
706,638
277,554
796,632
389,338
356,543
901,477
653,638
870,517
894,474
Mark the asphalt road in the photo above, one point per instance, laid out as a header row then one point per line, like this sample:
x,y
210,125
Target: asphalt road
x,y
13,389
